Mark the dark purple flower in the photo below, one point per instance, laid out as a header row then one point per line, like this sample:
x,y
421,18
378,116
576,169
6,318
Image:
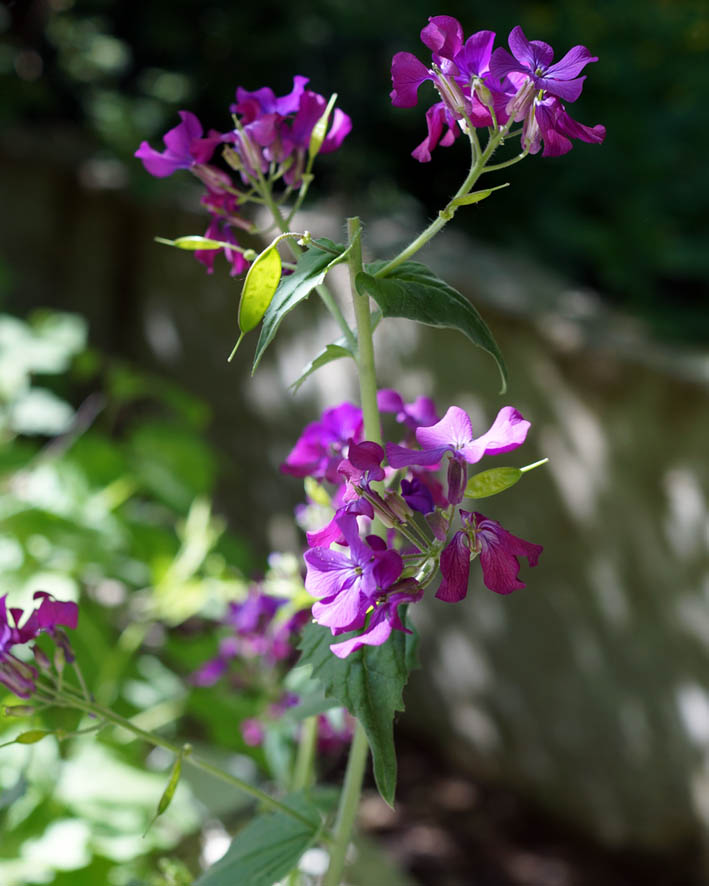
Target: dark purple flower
x,y
534,59
455,569
499,553
417,496
347,583
321,447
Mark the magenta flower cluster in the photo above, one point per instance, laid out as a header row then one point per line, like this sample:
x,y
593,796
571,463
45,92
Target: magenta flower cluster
x,y
360,580
271,138
15,630
486,87
255,655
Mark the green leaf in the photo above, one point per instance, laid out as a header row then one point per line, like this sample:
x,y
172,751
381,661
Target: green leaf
x,y
416,293
331,352
491,482
259,288
369,683
310,272
267,849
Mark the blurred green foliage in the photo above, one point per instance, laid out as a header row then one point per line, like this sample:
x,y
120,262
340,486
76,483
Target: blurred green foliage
x,y
629,218
105,482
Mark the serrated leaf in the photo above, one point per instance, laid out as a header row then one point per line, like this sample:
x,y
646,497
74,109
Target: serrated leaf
x,y
369,683
267,849
259,288
488,483
310,272
335,351
413,291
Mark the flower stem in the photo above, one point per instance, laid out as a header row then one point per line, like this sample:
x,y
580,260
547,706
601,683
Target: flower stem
x,y
303,771
476,170
349,801
111,717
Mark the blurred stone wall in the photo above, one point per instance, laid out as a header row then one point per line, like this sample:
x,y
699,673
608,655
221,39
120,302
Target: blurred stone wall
x,y
589,689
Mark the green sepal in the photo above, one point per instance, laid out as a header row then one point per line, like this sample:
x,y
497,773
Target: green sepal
x,y
413,291
369,683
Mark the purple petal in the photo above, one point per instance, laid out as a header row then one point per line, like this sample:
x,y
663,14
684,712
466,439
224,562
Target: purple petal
x,y
407,74
508,431
542,52
339,130
290,103
343,612
387,569
374,636
571,64
53,612
389,400
455,570
521,48
499,553
327,571
400,456
453,431
367,456
502,63
443,35
568,90
417,496
179,140
475,55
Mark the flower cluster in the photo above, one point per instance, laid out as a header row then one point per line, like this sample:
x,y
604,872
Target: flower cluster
x,y
16,674
273,138
255,654
484,87
362,579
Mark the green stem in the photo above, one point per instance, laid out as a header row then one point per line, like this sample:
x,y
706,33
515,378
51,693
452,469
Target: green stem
x,y
349,801
151,738
477,168
365,350
303,772
359,750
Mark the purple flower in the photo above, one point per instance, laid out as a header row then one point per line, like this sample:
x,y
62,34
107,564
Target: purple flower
x,y
279,130
321,447
382,620
421,412
184,147
499,552
454,434
17,675
348,583
534,59
549,123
